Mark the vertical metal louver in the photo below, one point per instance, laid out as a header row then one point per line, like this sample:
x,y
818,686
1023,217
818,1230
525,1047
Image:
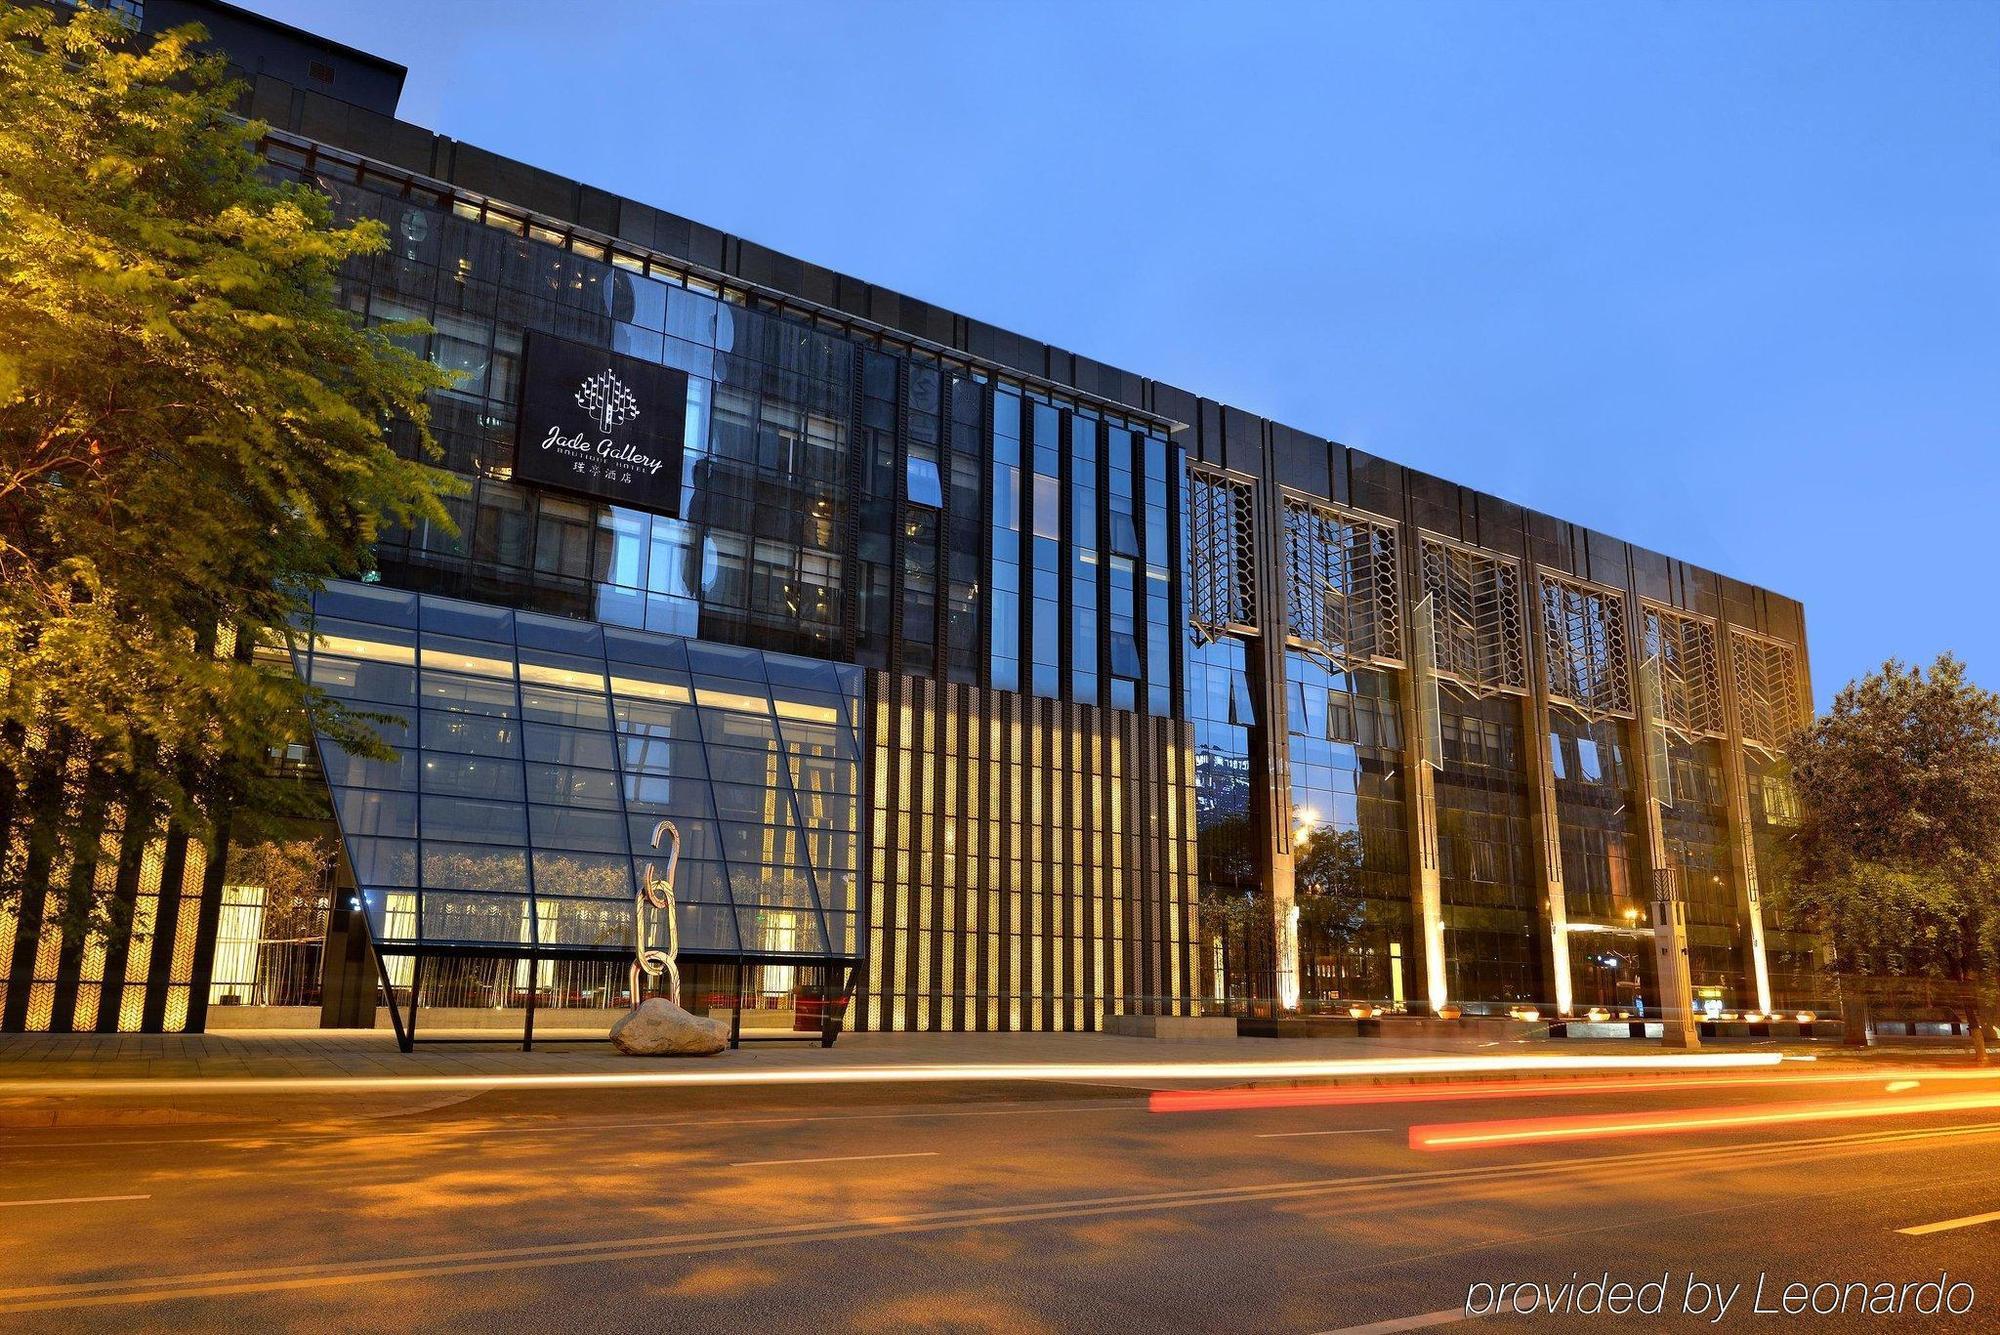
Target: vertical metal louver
x,y
1222,553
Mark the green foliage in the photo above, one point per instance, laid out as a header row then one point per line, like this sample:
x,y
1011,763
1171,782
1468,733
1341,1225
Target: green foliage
x,y
1897,859
1327,885
192,431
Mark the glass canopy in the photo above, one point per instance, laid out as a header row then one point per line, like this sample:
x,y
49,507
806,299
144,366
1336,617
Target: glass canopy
x,y
535,755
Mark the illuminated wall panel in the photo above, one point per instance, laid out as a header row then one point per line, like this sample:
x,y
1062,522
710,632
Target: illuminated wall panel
x,y
1032,876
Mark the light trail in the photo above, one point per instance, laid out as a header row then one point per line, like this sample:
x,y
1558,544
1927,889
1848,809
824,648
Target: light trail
x,y
1245,1100
1546,1130
1056,1072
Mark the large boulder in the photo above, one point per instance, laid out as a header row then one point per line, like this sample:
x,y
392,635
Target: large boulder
x,y
659,1028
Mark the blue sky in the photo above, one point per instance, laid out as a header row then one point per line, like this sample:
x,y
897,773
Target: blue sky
x,y
1723,279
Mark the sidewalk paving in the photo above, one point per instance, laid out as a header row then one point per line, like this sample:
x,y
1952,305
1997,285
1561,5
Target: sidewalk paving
x,y
296,1053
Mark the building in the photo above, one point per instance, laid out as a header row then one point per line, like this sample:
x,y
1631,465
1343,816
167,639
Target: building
x,y
1000,687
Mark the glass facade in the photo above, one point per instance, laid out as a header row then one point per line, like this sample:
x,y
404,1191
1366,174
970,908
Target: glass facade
x,y
535,755
1486,852
1346,762
871,484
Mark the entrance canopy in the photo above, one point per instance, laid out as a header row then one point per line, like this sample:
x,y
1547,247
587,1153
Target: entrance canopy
x,y
534,757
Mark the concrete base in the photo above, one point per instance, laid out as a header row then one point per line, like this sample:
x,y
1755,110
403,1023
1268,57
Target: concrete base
x,y
1307,1026
1171,1028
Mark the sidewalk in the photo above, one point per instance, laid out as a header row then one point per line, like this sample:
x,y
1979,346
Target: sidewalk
x,y
293,1053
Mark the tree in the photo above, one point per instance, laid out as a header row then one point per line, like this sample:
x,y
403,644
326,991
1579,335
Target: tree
x,y
192,439
1897,860
1326,880
296,876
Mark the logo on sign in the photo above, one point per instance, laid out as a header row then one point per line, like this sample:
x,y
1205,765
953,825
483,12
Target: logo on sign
x,y
601,423
606,399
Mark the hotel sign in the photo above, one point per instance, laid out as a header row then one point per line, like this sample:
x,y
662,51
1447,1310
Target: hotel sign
x,y
601,423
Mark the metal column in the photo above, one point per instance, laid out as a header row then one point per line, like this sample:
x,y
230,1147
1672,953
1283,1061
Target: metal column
x,y
1742,841
1426,874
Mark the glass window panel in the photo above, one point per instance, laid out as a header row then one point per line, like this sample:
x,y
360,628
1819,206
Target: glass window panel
x,y
568,746
561,634
820,775
731,765
376,813
668,797
657,719
360,603
584,828
794,932
771,886
925,487
698,839
697,880
470,734
587,922
811,707
474,867
583,875
472,776
649,651
735,801
360,679
751,844
572,785
459,916
674,757
786,671
475,658
449,616
357,639
1124,655
542,668
730,728
726,661
474,822
383,861
574,709
709,928
344,768
472,695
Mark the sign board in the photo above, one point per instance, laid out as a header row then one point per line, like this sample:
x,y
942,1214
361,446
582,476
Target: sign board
x,y
601,423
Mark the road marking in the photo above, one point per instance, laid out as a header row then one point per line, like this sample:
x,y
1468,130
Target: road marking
x,y
1287,1135
270,1279
1395,1324
74,1200
843,1158
1920,1229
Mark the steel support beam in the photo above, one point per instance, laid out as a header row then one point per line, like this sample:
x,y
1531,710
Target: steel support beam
x,y
1547,822
1420,800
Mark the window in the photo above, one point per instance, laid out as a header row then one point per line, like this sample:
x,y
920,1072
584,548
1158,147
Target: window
x,y
925,486
1124,535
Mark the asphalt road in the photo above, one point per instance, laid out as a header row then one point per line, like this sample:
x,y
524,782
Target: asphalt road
x,y
1012,1208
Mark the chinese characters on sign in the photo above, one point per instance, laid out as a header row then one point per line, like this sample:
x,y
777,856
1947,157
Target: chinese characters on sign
x,y
601,423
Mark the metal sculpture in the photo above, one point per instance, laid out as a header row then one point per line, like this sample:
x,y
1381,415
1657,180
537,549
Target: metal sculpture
x,y
657,896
